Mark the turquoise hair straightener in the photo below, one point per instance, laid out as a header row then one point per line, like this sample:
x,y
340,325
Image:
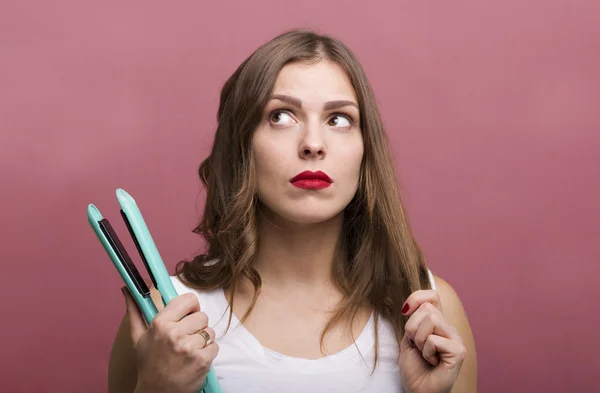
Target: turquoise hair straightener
x,y
151,258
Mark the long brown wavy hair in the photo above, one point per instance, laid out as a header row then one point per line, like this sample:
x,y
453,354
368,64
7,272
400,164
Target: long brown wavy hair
x,y
378,261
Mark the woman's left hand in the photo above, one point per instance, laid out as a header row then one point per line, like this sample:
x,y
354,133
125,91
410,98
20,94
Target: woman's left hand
x,y
431,351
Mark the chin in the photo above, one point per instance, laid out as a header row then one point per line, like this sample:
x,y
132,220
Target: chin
x,y
303,214
309,219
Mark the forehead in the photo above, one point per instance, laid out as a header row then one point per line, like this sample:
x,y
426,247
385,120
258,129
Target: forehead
x,y
318,82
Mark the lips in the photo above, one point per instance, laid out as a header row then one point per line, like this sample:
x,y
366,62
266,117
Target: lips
x,y
311,180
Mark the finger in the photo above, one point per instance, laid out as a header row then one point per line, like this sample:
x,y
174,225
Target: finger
x,y
137,323
193,322
433,322
210,352
179,307
441,349
419,297
199,341
405,343
416,319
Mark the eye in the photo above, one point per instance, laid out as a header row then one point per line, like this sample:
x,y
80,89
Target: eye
x,y
281,118
340,120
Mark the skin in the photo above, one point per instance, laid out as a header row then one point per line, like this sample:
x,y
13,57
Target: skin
x,y
312,123
437,352
298,231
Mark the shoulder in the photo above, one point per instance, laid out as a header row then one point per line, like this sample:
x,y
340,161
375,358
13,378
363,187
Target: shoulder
x,y
454,312
156,296
448,296
452,306
180,288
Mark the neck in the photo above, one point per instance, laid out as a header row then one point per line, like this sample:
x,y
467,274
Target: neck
x,y
295,255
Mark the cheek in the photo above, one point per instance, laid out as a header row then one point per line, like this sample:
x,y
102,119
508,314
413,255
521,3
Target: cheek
x,y
267,161
261,159
352,159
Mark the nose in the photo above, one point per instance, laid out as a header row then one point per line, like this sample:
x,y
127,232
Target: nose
x,y
313,144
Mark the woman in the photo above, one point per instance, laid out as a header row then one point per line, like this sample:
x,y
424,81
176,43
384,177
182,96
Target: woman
x,y
308,246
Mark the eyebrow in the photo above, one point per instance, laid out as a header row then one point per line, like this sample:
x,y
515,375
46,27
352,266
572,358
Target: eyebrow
x,y
327,106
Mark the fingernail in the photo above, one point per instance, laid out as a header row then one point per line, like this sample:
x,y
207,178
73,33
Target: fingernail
x,y
123,289
411,342
405,308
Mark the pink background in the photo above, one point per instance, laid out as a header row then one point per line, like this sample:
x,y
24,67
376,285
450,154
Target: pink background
x,y
493,110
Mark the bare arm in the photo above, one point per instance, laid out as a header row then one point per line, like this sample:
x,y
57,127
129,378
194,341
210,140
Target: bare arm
x,y
122,367
455,314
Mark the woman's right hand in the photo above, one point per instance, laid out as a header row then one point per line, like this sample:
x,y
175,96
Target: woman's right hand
x,y
171,356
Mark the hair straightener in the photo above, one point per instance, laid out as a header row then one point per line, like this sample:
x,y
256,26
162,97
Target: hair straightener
x,y
151,258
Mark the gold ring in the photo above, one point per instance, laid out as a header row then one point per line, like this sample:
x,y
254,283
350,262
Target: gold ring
x,y
207,338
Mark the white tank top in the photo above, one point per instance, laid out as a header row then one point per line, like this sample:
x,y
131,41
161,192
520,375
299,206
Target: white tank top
x,y
244,366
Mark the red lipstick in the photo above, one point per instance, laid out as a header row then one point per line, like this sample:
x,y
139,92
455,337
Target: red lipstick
x,y
311,180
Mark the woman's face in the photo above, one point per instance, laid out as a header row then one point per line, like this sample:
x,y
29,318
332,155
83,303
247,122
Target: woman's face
x,y
308,147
